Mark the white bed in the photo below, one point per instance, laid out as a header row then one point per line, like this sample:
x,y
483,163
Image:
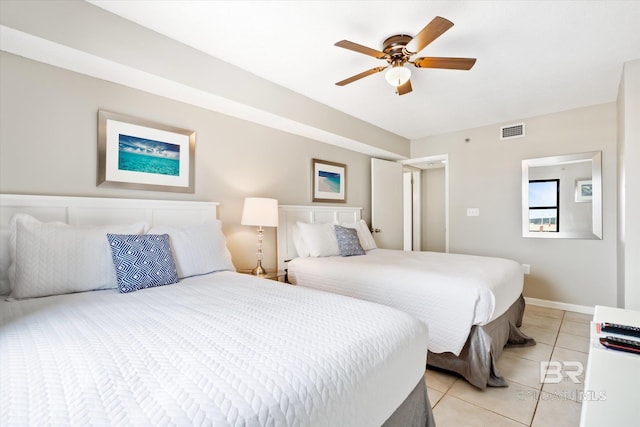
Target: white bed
x,y
450,292
456,295
220,348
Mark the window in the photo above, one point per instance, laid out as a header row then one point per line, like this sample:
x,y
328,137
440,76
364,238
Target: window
x,y
544,205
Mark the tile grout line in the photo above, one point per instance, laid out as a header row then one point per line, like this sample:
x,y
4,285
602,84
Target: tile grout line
x,y
490,410
563,317
444,393
535,410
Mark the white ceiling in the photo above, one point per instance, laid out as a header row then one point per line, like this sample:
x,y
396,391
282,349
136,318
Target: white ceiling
x,y
534,57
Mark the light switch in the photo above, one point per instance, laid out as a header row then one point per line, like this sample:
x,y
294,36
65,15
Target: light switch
x,y
473,211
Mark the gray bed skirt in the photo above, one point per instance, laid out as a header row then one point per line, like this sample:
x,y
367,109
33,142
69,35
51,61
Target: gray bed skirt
x,y
414,411
477,360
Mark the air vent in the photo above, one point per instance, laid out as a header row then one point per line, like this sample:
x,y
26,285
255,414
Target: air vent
x,y
512,131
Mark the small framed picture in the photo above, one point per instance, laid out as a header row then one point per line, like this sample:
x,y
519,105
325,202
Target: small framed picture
x,y
143,155
583,190
329,181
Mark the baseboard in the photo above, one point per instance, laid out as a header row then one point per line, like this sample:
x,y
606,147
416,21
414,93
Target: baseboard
x,y
560,305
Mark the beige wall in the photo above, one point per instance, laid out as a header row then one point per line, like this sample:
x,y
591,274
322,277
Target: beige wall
x,y
82,37
48,120
628,184
48,146
485,173
433,210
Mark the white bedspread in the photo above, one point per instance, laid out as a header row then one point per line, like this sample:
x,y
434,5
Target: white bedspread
x,y
450,292
220,349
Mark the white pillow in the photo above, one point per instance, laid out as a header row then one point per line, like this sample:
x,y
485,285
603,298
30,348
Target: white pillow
x,y
366,239
197,249
57,258
364,234
298,242
320,239
5,262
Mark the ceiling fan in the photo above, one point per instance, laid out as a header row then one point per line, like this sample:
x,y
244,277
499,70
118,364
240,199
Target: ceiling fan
x,y
398,49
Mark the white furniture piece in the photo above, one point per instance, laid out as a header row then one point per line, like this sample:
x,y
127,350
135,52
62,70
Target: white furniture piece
x,y
612,377
106,211
288,216
473,305
215,348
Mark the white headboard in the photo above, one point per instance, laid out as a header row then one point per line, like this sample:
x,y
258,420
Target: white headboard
x,y
103,211
289,215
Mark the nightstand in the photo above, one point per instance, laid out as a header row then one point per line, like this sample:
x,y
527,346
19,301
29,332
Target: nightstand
x,y
278,276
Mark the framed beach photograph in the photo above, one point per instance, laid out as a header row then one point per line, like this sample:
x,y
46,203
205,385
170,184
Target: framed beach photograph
x,y
140,154
584,191
329,181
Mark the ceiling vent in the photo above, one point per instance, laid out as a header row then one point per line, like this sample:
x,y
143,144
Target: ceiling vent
x,y
512,131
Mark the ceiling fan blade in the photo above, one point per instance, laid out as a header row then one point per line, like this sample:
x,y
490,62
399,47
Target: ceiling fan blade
x,y
432,31
448,63
346,44
359,76
405,88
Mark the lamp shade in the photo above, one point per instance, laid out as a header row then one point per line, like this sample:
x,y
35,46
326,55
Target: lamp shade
x,y
398,75
260,211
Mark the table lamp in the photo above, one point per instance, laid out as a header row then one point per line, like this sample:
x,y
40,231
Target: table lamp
x,y
260,212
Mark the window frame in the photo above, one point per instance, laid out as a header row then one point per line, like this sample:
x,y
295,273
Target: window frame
x,y
549,207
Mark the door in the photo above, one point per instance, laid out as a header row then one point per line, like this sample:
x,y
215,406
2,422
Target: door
x,y
387,204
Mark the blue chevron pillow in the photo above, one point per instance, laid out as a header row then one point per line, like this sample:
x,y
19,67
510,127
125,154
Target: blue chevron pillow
x,y
142,261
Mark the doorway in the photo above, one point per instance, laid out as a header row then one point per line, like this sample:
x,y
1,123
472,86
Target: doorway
x,y
428,203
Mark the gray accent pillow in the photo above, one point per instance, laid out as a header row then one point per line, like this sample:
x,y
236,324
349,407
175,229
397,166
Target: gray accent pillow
x,y
348,241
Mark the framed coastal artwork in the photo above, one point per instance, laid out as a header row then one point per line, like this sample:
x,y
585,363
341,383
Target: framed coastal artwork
x,y
140,154
584,192
329,181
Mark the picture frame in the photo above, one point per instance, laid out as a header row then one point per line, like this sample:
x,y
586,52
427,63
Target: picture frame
x,y
584,190
329,181
140,154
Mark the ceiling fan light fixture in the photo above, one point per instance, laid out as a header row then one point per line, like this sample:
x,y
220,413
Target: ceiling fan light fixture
x,y
399,49
397,75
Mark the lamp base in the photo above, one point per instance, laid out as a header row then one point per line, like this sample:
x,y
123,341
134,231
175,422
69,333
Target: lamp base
x,y
258,271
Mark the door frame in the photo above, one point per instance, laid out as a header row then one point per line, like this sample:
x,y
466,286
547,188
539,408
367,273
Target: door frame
x,y
411,209
428,162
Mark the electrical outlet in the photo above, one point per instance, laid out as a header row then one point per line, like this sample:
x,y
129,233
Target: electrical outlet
x,y
473,211
526,268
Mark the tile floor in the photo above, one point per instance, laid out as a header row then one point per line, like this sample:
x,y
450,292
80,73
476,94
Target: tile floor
x,y
561,336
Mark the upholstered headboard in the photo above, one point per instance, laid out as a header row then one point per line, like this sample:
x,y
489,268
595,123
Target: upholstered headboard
x,y
289,215
103,211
